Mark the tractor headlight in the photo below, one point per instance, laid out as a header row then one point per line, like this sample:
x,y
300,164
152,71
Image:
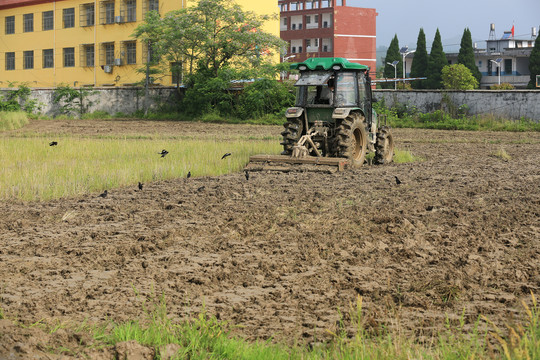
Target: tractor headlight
x,y
336,67
302,67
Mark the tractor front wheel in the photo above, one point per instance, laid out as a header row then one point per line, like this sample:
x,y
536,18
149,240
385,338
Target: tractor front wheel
x,y
384,147
352,139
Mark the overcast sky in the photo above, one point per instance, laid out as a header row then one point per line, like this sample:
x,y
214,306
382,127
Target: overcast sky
x,y
405,18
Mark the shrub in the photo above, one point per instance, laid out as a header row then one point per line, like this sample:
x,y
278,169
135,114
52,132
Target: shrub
x,y
503,86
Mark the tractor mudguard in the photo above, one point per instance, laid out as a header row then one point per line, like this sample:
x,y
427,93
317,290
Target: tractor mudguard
x,y
342,113
294,112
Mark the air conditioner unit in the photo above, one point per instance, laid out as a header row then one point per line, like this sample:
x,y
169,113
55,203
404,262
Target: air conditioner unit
x,y
107,69
117,62
118,19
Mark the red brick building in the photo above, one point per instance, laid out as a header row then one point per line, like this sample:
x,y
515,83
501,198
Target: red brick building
x,y
328,28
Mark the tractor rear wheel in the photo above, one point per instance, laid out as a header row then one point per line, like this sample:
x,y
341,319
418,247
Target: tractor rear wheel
x,y
292,133
352,139
384,147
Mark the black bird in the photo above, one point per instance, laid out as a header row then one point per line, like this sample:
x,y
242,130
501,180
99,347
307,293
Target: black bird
x,y
225,155
163,152
140,185
188,174
104,194
247,174
53,143
398,182
201,188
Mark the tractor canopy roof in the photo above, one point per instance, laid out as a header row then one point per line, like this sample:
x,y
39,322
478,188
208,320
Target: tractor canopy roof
x,y
328,64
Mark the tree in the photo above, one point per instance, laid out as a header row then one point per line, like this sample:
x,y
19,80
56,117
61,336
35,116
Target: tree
x,y
466,55
420,61
437,60
458,77
392,54
209,36
534,63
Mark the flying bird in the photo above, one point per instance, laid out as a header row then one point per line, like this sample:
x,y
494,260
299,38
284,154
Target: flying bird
x,y
398,182
140,185
163,152
103,194
225,155
53,143
247,174
188,174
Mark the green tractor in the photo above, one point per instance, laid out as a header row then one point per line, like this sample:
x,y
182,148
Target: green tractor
x,y
333,122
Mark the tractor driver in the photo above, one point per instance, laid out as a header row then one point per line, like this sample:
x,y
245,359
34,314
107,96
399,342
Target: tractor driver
x,y
327,93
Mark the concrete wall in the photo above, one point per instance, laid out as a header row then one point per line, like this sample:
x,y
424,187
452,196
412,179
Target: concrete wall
x,y
111,99
513,104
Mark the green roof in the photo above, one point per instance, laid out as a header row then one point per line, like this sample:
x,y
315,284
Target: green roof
x,y
328,63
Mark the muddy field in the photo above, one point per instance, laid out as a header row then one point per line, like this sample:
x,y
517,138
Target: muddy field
x,y
282,254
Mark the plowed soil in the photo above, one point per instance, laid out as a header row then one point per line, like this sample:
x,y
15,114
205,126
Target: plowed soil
x,y
282,254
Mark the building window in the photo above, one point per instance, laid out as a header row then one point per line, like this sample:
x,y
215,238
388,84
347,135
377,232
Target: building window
x,y
10,61
87,14
69,57
283,7
130,51
339,2
106,55
10,24
28,59
326,3
69,18
153,5
28,22
129,11
176,73
293,6
48,58
308,20
508,66
107,12
87,55
309,5
47,22
285,21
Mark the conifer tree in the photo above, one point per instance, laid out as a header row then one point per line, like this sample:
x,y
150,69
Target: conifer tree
x,y
392,54
466,55
534,63
437,60
420,61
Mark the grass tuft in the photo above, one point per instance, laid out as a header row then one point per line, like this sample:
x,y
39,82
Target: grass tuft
x,y
502,154
12,120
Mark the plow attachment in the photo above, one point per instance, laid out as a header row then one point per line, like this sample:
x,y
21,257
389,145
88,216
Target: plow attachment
x,y
286,163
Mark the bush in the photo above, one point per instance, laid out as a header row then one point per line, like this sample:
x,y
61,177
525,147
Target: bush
x,y
503,86
264,97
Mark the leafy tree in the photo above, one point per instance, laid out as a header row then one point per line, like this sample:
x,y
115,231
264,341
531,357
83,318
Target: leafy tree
x,y
265,96
437,60
209,36
458,77
420,61
534,63
466,55
392,54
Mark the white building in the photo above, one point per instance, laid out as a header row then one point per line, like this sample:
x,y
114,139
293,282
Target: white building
x,y
513,53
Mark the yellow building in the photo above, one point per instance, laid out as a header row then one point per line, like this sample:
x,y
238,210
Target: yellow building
x,y
45,43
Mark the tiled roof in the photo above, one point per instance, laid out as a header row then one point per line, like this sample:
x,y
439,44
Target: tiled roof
x,y
8,4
